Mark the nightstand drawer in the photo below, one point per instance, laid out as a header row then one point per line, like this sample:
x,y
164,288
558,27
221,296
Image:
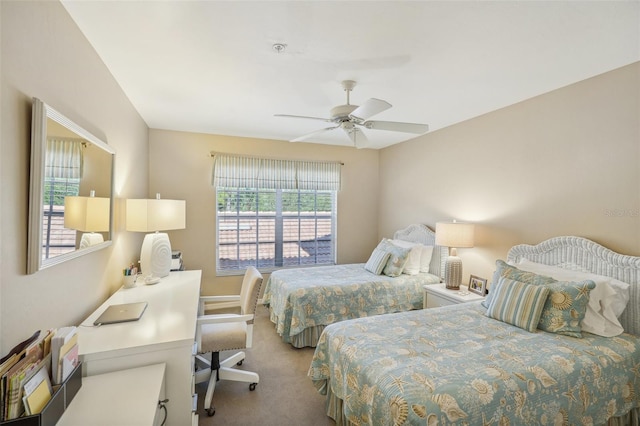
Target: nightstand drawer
x,y
435,301
436,295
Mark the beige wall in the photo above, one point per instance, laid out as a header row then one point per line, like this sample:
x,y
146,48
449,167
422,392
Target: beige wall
x,y
44,55
180,167
564,163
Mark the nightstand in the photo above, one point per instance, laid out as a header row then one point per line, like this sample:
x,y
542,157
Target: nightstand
x,y
436,295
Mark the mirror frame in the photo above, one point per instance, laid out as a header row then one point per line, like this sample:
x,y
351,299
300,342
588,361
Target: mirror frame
x,y
40,113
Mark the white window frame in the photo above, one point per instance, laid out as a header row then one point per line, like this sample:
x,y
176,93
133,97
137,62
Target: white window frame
x,y
278,218
245,172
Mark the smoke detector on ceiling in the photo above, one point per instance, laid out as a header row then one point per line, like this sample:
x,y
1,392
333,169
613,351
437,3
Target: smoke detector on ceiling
x,y
279,47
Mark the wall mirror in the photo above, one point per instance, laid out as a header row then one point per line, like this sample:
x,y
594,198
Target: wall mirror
x,y
71,190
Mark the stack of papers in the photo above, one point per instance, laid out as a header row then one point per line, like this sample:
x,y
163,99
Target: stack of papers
x,y
28,371
27,360
37,392
64,353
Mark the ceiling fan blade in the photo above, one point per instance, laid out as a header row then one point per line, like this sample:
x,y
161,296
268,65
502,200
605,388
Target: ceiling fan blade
x,y
309,135
396,126
368,109
357,136
328,120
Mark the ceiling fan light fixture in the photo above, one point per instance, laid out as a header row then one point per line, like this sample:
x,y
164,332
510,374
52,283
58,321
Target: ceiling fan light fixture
x,y
342,112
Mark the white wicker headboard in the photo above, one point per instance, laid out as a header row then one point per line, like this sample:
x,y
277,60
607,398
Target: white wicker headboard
x,y
422,234
581,254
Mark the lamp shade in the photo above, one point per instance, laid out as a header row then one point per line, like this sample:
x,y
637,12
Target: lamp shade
x,y
454,234
155,215
87,214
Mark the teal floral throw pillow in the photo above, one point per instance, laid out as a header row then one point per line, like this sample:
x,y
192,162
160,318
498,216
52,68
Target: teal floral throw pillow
x,y
565,307
398,257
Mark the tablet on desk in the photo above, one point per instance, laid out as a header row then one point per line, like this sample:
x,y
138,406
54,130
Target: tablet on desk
x,y
121,313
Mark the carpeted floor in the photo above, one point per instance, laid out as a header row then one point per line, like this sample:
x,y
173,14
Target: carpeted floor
x,y
285,395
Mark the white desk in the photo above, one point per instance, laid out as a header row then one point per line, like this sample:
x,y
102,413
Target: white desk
x,y
164,334
124,398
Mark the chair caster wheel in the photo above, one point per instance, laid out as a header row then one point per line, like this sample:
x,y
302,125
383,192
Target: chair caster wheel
x,y
252,386
211,411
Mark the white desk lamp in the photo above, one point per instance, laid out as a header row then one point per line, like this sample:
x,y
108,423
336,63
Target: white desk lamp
x,y
89,215
454,235
152,216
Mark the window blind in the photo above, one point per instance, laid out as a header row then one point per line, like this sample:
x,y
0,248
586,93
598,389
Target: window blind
x,y
237,171
63,159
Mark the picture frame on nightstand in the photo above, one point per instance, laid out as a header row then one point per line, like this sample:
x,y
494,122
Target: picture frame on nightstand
x,y
477,285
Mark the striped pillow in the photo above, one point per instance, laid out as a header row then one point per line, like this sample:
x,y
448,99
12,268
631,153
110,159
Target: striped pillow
x,y
517,303
503,269
377,261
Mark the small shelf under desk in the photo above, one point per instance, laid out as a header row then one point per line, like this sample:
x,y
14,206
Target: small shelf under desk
x,y
124,398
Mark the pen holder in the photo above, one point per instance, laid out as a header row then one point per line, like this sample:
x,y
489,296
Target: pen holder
x,y
129,281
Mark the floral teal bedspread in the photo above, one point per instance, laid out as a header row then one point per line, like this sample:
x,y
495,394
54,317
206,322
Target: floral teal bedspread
x,y
309,297
454,365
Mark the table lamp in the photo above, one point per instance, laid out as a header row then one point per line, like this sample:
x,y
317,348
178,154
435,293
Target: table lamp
x,y
453,235
153,215
89,215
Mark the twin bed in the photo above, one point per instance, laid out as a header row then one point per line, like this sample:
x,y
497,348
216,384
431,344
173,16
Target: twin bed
x,y
456,365
303,301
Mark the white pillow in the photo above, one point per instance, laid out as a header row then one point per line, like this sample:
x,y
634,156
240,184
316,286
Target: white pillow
x,y
425,258
412,267
607,300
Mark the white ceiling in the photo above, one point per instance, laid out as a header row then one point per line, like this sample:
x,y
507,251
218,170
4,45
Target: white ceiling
x,y
209,66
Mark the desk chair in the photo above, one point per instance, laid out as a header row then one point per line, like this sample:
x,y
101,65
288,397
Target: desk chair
x,y
225,332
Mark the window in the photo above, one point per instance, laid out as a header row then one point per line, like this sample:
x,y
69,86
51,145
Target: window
x,y
271,214
56,239
63,170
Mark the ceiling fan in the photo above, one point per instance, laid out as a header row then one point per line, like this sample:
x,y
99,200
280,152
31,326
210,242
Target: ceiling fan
x,y
351,118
